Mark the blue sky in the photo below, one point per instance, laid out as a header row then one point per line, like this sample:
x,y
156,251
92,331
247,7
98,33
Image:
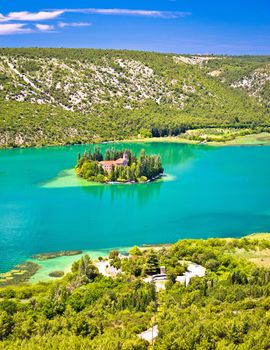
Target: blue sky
x,y
181,26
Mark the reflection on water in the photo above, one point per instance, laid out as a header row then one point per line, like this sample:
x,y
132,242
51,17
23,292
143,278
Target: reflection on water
x,y
140,193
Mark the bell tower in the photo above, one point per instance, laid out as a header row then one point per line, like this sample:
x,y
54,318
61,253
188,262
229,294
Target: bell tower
x,y
125,158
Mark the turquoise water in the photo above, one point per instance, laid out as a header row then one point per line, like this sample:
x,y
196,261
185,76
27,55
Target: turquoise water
x,y
210,192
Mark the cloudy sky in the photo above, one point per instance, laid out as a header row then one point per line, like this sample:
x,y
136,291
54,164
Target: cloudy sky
x,y
182,26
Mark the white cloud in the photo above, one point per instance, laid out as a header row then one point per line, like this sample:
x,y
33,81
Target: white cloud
x,y
74,24
44,27
26,16
14,28
52,14
127,12
30,16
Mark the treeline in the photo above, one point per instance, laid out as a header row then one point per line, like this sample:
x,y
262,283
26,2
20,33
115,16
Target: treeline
x,y
29,125
139,169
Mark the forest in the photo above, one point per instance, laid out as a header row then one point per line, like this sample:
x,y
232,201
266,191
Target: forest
x,y
138,169
126,94
228,308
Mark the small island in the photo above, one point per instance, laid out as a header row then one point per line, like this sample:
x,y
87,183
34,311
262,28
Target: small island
x,y
118,166
53,255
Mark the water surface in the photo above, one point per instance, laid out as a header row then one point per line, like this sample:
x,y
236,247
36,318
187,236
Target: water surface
x,y
212,192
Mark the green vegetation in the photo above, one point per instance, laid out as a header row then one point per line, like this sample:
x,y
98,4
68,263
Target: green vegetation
x,y
234,68
82,311
56,274
142,169
52,255
20,273
226,309
261,235
140,93
216,134
252,139
260,257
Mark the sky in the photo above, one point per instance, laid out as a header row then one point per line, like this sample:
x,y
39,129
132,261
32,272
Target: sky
x,y
180,26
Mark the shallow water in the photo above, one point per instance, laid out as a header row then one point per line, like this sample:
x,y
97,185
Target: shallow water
x,y
64,263
212,192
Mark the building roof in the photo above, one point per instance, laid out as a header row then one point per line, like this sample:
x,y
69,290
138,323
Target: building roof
x,y
112,162
107,162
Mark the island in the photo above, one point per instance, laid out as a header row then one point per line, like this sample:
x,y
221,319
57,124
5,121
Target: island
x,y
118,166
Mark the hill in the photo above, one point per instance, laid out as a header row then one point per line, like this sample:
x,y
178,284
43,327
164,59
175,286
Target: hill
x,y
60,96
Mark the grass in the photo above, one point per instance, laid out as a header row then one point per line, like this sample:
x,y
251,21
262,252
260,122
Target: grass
x,y
258,257
200,136
261,235
262,138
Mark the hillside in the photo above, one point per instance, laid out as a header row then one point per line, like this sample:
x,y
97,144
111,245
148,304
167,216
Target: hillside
x,y
225,308
59,96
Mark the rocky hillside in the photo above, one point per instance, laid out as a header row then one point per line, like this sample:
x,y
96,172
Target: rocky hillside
x,y
75,95
250,74
77,85
257,84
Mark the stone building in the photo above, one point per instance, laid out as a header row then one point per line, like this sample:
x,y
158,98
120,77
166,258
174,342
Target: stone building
x,y
108,164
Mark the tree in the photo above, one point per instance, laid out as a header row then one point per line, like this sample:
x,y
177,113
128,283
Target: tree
x,y
152,265
113,175
84,270
113,254
135,251
6,324
138,169
108,154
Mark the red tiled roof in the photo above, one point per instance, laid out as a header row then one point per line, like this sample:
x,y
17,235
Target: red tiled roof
x,y
120,160
107,162
112,162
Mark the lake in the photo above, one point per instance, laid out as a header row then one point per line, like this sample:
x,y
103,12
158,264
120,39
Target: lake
x,y
208,192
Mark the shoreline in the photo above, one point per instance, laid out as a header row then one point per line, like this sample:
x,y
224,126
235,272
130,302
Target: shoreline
x,y
64,263
245,140
68,178
129,182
